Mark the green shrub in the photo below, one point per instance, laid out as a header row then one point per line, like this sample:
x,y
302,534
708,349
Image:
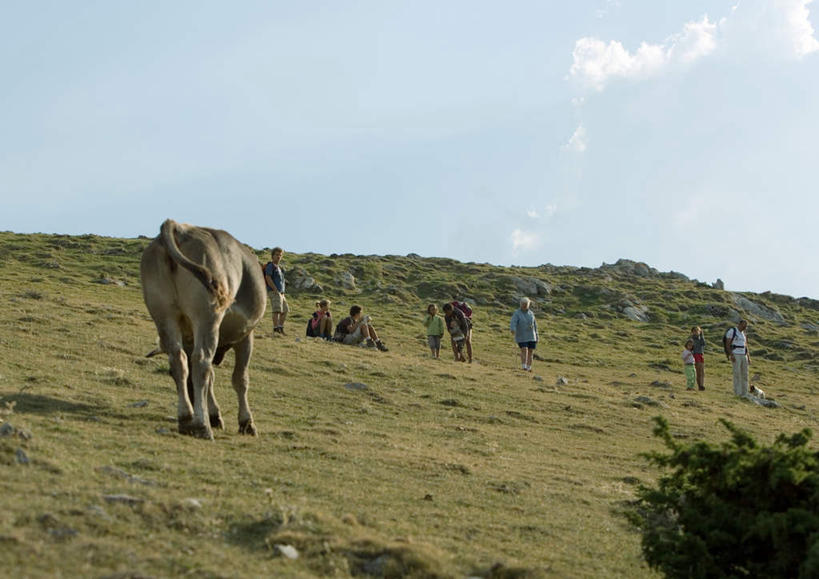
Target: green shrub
x,y
732,510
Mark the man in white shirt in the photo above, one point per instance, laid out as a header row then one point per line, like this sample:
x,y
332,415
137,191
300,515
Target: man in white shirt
x,y
736,349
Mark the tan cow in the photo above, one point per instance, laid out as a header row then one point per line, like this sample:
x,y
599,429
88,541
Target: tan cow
x,y
205,292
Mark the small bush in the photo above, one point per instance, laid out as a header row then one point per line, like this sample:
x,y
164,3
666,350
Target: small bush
x,y
731,510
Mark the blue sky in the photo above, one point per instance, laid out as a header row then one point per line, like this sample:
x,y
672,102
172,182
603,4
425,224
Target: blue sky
x,y
681,134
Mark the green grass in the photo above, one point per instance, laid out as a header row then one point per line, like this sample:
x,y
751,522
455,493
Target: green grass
x,y
435,469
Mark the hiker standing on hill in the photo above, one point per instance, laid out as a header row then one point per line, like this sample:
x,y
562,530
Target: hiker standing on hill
x,y
524,327
467,312
735,343
699,359
458,327
274,279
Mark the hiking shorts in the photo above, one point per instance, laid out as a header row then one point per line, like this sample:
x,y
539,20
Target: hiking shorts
x,y
278,303
355,338
699,359
529,345
434,342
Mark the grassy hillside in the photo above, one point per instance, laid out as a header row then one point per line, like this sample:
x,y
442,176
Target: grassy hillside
x,y
431,468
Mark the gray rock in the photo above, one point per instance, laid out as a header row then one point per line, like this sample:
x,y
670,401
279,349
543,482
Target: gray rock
x,y
138,404
300,279
719,284
6,429
356,386
649,401
637,313
346,280
661,384
562,381
287,551
192,503
123,499
531,287
21,456
758,310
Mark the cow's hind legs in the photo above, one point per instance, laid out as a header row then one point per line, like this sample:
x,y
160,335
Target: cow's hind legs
x,y
241,381
204,346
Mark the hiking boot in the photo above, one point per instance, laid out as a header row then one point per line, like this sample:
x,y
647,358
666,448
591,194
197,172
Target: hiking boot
x,y
380,345
370,343
702,388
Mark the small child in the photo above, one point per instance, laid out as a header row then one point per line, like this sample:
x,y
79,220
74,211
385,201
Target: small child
x,y
458,340
688,361
321,324
435,330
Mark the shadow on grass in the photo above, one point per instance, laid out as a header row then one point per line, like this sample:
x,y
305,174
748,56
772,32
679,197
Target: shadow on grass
x,y
38,404
253,535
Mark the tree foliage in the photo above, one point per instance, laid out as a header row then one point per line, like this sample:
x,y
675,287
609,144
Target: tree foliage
x,y
736,509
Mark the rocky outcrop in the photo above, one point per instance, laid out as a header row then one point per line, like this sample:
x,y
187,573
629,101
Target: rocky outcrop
x,y
299,279
758,310
531,286
346,280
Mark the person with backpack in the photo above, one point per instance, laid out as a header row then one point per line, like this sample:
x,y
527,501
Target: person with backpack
x,y
274,280
467,312
699,355
458,327
524,327
356,328
320,324
735,343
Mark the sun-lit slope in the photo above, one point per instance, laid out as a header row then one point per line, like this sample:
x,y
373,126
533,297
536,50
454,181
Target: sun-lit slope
x,y
366,462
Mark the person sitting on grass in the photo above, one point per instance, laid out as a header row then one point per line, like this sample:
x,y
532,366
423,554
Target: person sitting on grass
x,y
321,324
356,328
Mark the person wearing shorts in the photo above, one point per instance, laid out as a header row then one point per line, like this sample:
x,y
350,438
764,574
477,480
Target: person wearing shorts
x,y
524,327
274,280
435,330
356,328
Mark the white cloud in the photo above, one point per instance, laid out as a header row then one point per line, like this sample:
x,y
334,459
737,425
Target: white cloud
x,y
577,142
548,212
770,29
524,239
797,27
595,63
697,39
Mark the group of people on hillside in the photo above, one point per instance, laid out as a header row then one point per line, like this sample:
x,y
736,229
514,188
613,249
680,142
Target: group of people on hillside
x,y
735,346
357,328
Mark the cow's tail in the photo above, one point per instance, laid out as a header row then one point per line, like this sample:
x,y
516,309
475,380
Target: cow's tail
x,y
216,288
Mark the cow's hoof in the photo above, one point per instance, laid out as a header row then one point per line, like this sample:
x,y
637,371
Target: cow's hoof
x,y
185,424
189,427
247,428
204,432
217,422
